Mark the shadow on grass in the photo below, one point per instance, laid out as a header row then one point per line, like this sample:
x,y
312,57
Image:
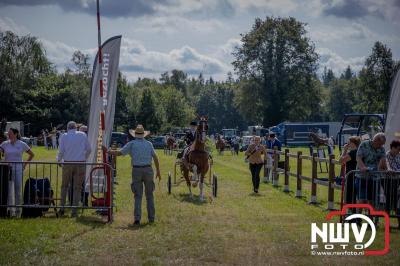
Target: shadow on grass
x,y
134,227
195,199
321,204
93,221
257,195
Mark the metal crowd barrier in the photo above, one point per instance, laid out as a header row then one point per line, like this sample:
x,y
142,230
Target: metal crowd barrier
x,y
381,189
31,189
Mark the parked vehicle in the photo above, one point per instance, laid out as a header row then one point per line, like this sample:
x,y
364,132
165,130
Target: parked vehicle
x,y
365,125
257,130
229,135
158,142
245,142
297,134
119,139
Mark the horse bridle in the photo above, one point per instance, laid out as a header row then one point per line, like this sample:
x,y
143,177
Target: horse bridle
x,y
202,129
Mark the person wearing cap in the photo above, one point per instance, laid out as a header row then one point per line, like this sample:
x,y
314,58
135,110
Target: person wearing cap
x,y
141,152
191,134
273,142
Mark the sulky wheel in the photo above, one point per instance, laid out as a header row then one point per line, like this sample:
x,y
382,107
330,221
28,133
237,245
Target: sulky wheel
x,y
169,183
214,185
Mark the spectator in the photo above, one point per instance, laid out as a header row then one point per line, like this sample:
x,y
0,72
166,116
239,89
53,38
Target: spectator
x,y
393,156
141,152
392,189
235,145
13,149
271,144
54,138
265,140
83,129
348,158
45,139
370,156
74,147
253,155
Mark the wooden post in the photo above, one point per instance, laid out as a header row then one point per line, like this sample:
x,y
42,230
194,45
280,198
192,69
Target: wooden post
x,y
175,173
275,176
313,178
299,172
210,170
331,192
287,168
265,168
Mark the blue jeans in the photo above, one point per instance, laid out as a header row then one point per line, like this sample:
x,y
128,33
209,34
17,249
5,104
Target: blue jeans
x,y
140,177
15,188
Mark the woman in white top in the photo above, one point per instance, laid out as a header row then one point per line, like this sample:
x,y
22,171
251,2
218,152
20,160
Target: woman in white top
x,y
54,138
13,149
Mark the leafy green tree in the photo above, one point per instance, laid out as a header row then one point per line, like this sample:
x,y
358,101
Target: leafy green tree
x,y
22,62
178,112
280,58
375,80
217,102
148,115
341,98
121,121
347,74
328,76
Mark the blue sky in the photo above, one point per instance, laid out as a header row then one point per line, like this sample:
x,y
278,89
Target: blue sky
x,y
199,35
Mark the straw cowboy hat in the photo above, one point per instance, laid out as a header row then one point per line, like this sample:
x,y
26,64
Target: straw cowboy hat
x,y
139,132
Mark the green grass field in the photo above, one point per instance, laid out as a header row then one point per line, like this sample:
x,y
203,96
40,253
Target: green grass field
x,y
236,228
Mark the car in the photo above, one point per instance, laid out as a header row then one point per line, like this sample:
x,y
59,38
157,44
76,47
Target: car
x,y
119,139
246,140
179,135
27,140
158,142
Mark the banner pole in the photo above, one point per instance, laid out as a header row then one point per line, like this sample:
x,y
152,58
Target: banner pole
x,y
102,121
102,114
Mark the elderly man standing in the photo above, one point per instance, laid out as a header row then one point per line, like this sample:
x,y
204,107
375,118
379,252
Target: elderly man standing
x,y
142,153
75,148
370,156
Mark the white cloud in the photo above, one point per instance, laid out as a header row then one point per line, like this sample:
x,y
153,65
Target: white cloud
x,y
136,60
224,51
355,31
280,6
338,64
8,24
176,24
355,9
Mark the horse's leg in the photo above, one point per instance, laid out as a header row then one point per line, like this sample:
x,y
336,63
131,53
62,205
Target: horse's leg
x,y
201,186
186,176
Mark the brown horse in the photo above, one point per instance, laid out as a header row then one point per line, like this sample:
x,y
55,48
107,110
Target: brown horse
x,y
318,141
220,145
196,158
171,144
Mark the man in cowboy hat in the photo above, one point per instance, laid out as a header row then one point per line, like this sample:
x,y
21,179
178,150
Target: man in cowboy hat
x,y
141,152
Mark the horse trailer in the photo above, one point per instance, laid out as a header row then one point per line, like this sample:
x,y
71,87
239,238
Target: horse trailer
x,y
297,134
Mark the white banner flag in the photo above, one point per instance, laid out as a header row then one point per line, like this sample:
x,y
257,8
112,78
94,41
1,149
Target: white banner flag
x,y
392,126
104,75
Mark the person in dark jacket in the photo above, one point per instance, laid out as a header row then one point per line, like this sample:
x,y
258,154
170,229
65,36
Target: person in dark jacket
x,y
348,158
191,134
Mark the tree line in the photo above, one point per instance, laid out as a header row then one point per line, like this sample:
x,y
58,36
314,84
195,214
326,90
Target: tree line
x,y
276,79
